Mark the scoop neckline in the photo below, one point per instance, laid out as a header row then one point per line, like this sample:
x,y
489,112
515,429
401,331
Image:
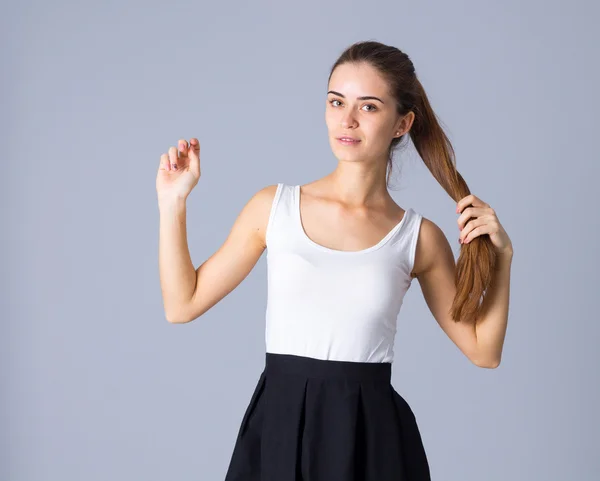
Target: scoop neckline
x,y
323,248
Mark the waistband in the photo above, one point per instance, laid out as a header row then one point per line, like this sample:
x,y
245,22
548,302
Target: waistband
x,y
327,369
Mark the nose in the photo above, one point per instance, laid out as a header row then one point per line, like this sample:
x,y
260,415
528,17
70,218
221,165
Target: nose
x,y
348,119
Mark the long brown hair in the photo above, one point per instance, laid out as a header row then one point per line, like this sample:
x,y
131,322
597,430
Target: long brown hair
x,y
477,259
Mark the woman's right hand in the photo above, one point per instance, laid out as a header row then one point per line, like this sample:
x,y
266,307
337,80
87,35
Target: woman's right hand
x,y
178,175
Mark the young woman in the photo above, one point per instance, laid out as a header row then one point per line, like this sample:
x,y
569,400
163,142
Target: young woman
x,y
341,256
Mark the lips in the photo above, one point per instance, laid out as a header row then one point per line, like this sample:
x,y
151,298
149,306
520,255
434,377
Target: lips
x,y
350,139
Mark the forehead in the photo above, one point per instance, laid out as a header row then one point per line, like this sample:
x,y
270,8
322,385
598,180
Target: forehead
x,y
357,79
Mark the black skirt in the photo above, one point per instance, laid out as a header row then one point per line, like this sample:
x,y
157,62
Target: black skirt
x,y
322,420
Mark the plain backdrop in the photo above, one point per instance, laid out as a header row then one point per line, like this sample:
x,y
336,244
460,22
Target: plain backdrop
x,y
97,385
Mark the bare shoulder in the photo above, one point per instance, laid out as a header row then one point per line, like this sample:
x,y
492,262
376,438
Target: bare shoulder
x,y
432,247
259,210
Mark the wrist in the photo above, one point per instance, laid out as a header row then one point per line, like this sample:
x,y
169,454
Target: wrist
x,y
172,202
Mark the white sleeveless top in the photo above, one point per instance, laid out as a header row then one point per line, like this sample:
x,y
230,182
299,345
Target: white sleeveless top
x,y
331,304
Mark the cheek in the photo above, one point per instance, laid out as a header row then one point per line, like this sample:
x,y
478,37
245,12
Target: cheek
x,y
384,133
331,119
375,132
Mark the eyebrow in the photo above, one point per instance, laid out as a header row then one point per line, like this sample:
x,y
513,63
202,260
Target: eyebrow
x,y
366,97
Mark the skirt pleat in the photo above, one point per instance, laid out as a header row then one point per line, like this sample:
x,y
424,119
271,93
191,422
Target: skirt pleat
x,y
320,420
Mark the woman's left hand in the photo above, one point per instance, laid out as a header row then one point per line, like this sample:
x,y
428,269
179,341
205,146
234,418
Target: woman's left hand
x,y
483,221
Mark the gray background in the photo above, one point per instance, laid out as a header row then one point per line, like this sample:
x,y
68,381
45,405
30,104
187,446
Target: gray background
x,y
97,385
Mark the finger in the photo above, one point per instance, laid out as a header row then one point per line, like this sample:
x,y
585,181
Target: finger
x,y
195,145
194,155
469,213
460,205
194,148
468,228
173,157
183,147
164,162
468,200
476,232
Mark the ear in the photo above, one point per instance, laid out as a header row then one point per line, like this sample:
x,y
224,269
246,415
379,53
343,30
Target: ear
x,y
405,123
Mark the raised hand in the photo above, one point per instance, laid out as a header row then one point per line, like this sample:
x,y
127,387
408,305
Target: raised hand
x,y
179,170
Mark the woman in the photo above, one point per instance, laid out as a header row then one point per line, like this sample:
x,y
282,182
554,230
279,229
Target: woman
x,y
341,256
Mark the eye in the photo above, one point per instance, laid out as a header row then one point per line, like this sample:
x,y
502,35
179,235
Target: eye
x,y
372,109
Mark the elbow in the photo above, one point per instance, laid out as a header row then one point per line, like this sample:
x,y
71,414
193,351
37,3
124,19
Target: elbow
x,y
173,319
485,358
185,312
176,318
181,317
488,364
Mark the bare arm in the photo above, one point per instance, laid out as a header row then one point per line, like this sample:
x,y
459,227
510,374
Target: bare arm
x,y
177,276
434,268
189,293
491,327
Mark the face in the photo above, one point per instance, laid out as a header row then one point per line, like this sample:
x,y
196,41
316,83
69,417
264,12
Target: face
x,y
359,106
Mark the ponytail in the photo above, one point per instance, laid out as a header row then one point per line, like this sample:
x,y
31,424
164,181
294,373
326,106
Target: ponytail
x,y
477,259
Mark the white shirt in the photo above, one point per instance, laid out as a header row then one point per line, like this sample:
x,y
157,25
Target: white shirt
x,y
331,304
